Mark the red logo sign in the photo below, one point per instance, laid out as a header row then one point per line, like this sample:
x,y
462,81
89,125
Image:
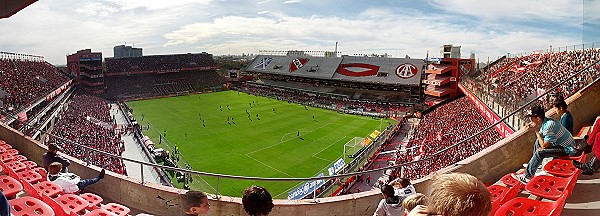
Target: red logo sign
x,y
406,71
297,64
367,69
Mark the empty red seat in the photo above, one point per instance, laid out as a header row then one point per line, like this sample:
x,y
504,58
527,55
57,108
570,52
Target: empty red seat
x,y
551,187
29,176
29,206
502,194
48,188
16,166
42,172
5,157
100,212
72,203
10,186
6,146
2,150
30,164
58,209
560,167
94,200
523,206
510,181
117,209
19,157
12,151
31,190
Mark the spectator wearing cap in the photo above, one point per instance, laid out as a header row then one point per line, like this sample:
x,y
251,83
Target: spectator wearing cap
x,y
566,119
51,156
553,140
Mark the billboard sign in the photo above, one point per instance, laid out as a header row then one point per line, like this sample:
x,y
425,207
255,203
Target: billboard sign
x,y
306,189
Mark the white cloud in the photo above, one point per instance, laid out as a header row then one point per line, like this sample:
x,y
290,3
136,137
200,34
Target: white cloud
x,y
262,2
375,31
515,9
292,1
156,4
55,28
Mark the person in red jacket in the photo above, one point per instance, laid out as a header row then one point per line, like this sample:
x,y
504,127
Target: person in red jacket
x,y
593,140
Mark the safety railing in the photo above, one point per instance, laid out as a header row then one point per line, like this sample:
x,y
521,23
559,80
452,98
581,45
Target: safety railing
x,y
215,183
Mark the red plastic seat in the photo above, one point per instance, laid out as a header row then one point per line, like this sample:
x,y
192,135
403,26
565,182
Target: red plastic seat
x,y
48,188
72,203
6,146
2,150
29,206
10,186
523,206
502,194
579,158
117,209
42,172
94,200
31,190
19,157
510,181
100,212
58,209
6,157
29,176
495,207
12,151
16,166
30,164
560,167
551,187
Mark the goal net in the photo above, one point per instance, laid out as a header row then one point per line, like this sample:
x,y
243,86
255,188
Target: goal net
x,y
352,146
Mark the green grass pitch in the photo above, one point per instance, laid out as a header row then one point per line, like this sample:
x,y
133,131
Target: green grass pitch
x,y
269,147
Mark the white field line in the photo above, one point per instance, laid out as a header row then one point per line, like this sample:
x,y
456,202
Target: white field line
x,y
271,146
269,166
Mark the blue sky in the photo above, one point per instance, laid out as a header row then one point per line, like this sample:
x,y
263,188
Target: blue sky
x,y
55,28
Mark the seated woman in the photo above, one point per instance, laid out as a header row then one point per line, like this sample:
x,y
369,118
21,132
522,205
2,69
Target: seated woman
x,y
70,182
592,140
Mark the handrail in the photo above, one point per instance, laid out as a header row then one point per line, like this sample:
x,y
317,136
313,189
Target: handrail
x,y
429,157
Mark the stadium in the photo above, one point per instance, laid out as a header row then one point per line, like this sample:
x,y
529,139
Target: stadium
x,y
323,131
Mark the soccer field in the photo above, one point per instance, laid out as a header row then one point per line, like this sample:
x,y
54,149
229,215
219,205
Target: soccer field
x,y
214,134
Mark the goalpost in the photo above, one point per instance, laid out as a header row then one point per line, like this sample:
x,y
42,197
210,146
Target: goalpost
x,y
352,146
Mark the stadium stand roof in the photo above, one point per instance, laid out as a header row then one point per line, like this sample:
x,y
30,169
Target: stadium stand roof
x,y
395,71
9,8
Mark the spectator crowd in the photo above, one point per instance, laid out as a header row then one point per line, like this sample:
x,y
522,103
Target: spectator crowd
x,y
326,101
440,129
23,82
511,81
153,85
87,121
159,63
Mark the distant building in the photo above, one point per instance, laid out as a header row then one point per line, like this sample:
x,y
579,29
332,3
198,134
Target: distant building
x,y
86,67
449,51
123,51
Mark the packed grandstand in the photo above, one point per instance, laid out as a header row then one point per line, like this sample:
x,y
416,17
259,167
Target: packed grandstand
x,y
30,86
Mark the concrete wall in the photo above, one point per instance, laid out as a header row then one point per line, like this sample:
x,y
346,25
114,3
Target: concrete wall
x,y
504,157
